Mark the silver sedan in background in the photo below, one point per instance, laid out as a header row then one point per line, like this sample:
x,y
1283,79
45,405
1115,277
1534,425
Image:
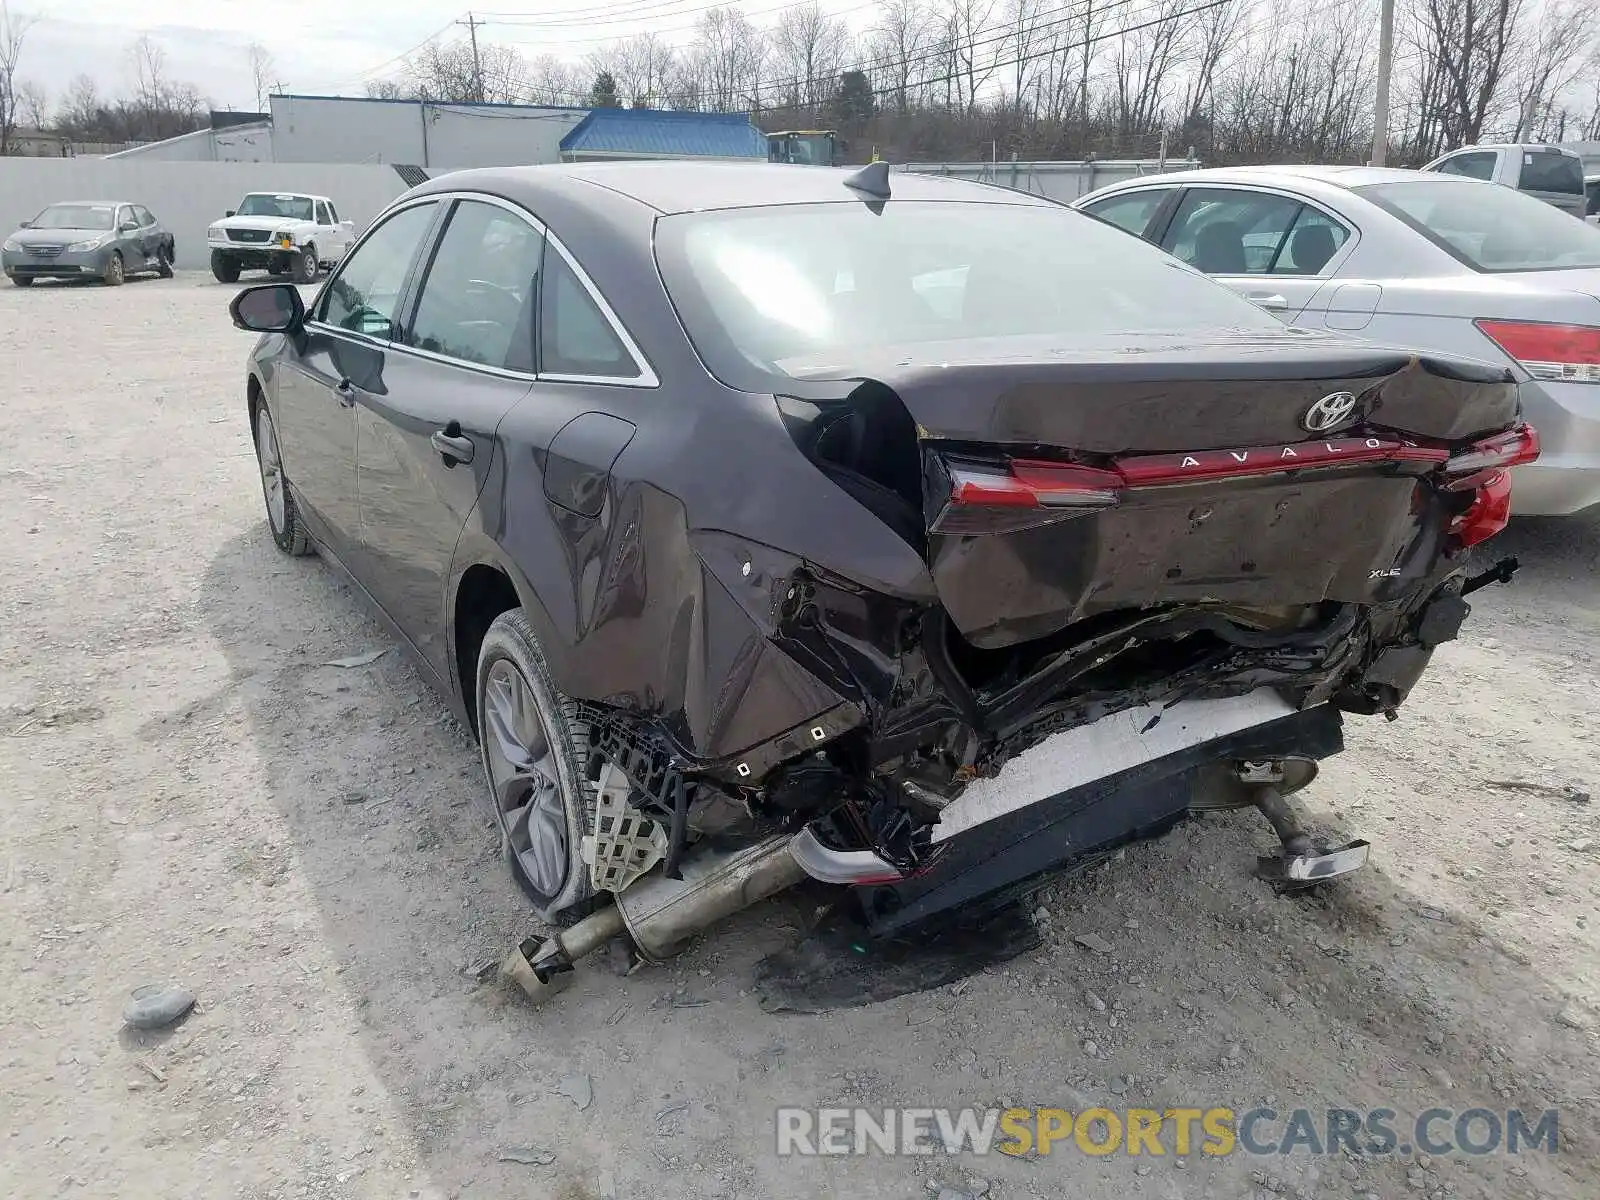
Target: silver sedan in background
x,y
88,239
1427,261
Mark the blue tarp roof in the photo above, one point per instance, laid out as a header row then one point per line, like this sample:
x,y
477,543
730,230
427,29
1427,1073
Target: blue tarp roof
x,y
651,131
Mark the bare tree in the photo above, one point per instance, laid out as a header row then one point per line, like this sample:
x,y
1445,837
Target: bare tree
x,y
730,54
808,48
552,81
33,104
13,33
1559,51
263,73
149,62
968,27
899,45
1145,60
1026,37
452,72
1464,48
641,65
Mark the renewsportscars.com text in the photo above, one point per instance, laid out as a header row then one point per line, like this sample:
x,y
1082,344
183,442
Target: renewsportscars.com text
x,y
1214,1131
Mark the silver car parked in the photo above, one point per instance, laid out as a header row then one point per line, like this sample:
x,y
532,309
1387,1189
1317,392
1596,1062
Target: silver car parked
x,y
97,239
1429,261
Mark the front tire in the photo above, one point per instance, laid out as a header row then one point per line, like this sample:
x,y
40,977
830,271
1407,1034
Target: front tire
x,y
535,753
283,518
22,280
303,267
224,267
116,271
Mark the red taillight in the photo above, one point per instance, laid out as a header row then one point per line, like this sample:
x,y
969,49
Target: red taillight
x,y
1512,448
1034,485
1560,353
1488,514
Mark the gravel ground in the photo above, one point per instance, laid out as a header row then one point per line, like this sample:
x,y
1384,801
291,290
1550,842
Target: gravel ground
x,y
193,796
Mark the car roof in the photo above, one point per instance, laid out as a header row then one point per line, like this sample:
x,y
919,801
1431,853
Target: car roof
x,y
1550,146
676,187
1298,174
89,203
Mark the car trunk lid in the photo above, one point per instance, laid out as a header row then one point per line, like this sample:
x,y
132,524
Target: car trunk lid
x,y
1257,470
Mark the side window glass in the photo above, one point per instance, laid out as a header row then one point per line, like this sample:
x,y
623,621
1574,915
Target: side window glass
x,y
125,216
1225,232
364,297
322,214
142,215
1315,238
481,289
574,336
1477,165
333,213
1133,212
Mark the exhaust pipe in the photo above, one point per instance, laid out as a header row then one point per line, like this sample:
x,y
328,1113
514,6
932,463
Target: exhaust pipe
x,y
658,913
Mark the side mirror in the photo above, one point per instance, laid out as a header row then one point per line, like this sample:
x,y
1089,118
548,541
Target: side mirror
x,y
24,224
229,213
350,225
268,308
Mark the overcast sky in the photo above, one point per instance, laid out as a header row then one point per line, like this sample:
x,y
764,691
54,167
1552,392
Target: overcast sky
x,y
319,46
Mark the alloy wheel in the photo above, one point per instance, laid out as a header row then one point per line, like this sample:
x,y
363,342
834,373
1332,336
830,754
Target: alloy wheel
x,y
524,779
271,470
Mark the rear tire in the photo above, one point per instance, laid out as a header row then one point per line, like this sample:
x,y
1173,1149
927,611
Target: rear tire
x,y
116,271
535,753
225,268
303,267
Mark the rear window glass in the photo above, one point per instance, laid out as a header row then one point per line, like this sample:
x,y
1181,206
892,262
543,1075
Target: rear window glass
x,y
1547,171
758,286
1491,228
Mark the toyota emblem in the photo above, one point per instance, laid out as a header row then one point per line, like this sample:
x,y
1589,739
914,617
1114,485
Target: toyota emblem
x,y
1333,409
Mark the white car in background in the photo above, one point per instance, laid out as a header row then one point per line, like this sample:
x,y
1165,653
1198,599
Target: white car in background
x,y
281,233
1430,261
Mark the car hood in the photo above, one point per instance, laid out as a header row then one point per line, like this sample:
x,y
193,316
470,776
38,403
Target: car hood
x,y
57,237
268,223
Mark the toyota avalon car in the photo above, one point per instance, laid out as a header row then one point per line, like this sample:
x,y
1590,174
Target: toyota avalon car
x,y
759,505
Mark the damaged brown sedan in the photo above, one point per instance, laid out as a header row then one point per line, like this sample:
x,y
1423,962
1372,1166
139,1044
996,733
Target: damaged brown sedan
x,y
754,517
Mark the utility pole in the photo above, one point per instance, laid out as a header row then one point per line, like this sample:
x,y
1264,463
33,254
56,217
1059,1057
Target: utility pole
x,y
472,24
1380,104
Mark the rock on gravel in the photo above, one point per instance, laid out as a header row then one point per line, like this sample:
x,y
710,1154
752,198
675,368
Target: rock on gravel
x,y
155,1005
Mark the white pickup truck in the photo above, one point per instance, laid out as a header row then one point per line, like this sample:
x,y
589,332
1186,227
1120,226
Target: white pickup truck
x,y
1553,174
282,233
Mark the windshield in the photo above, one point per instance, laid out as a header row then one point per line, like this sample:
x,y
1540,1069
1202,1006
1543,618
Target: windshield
x,y
290,208
757,287
1490,228
76,216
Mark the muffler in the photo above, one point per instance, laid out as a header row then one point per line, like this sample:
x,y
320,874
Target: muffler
x,y
658,913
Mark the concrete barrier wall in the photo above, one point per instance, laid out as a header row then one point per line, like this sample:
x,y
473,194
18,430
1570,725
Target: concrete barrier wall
x,y
187,196
1063,181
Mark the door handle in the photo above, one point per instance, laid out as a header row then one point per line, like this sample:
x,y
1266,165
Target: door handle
x,y
346,392
1268,299
452,446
